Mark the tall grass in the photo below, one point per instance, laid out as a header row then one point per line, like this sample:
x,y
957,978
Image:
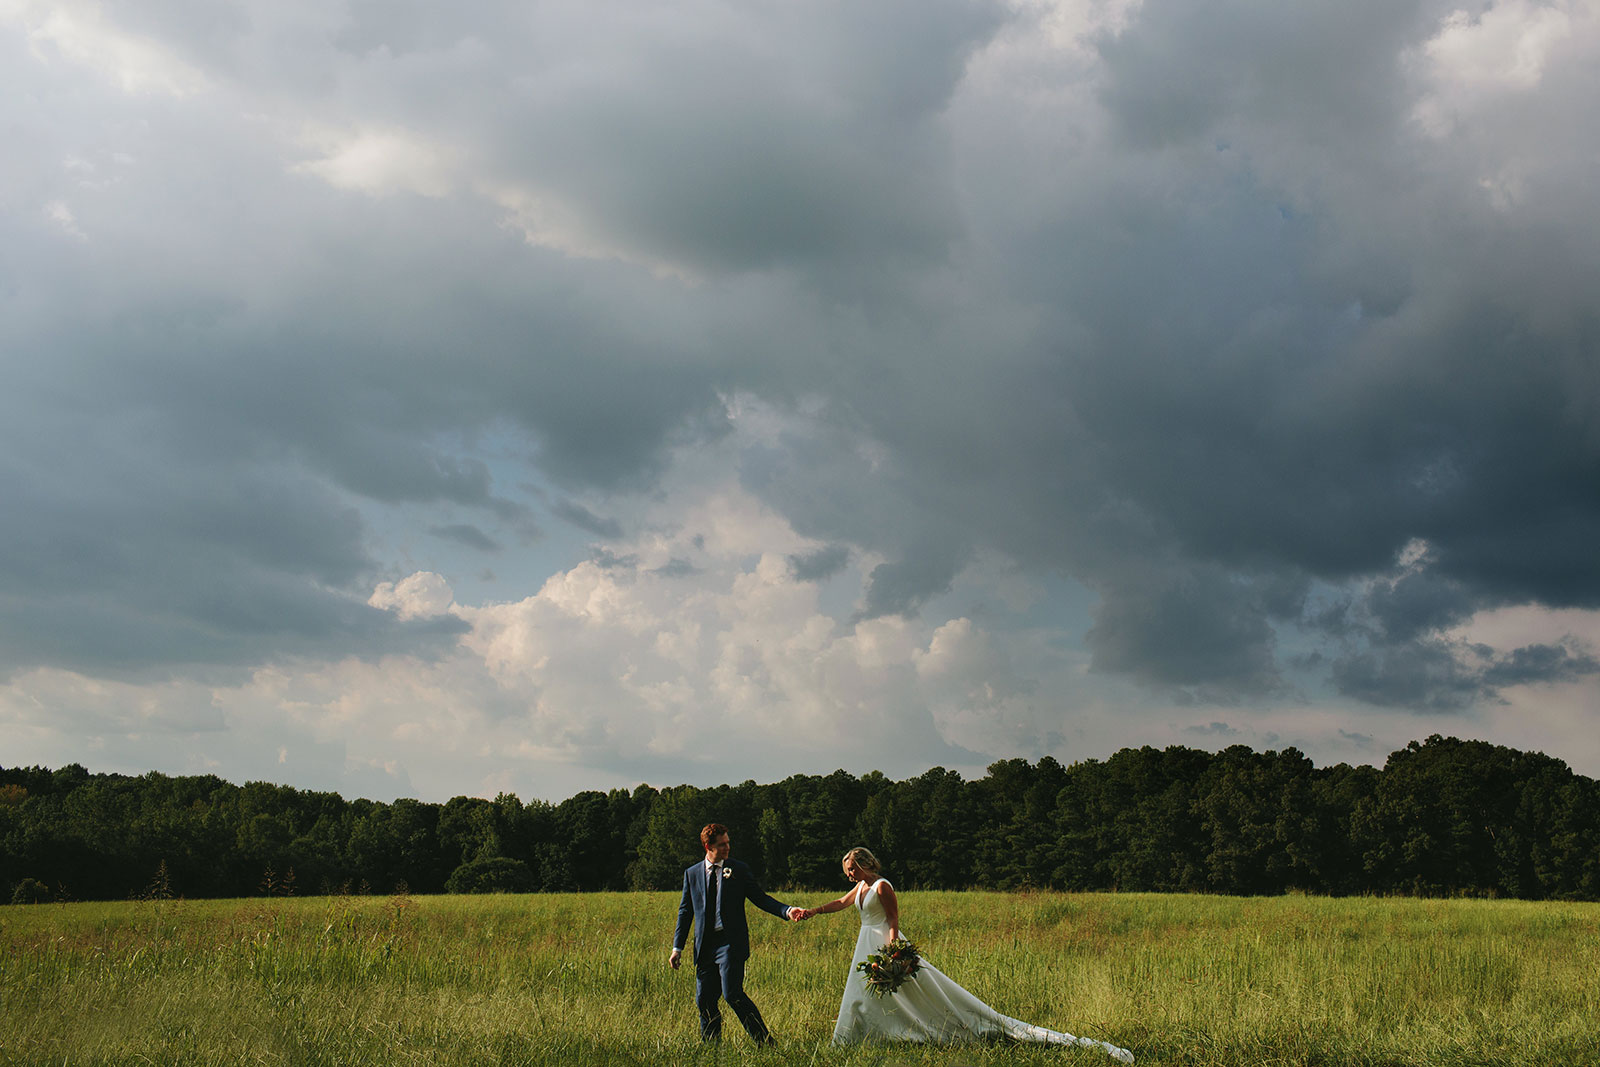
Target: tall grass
x,y
580,980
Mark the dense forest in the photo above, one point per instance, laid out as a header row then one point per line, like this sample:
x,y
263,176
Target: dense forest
x,y
1443,817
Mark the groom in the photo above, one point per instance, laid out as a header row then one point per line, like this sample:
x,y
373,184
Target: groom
x,y
714,892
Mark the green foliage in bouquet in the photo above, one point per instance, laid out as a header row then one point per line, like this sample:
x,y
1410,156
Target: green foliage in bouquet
x,y
890,969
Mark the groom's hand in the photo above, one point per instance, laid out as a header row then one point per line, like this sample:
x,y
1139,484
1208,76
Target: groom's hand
x,y
676,958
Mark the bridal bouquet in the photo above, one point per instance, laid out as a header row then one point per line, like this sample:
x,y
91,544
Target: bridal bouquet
x,y
888,970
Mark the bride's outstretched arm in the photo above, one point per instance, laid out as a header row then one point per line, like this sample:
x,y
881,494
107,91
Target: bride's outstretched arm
x,y
834,905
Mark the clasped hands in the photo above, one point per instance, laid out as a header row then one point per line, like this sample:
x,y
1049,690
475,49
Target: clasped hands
x,y
675,958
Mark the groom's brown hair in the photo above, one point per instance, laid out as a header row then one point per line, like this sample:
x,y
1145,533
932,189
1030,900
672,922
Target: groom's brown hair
x,y
710,833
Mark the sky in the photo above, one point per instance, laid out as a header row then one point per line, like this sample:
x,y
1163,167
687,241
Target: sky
x,y
411,399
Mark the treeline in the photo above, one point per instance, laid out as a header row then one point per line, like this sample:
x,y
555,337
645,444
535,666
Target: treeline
x,y
1443,817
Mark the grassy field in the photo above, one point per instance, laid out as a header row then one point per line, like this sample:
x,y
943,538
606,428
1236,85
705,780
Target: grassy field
x,y
575,980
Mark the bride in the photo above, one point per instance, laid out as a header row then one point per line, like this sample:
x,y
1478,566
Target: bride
x,y
929,1007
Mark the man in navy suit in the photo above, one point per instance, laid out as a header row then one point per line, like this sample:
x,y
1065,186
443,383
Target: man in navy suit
x,y
714,893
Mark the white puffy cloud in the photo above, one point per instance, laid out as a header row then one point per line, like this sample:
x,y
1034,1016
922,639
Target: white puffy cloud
x,y
696,644
1505,47
59,213
82,32
416,596
380,161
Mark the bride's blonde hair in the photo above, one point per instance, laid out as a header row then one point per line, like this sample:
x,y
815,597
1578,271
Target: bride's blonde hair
x,y
862,857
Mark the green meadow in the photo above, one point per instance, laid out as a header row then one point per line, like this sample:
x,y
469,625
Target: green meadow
x,y
582,979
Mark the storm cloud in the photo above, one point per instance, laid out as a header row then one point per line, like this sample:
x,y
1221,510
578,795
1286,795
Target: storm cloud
x,y
1177,357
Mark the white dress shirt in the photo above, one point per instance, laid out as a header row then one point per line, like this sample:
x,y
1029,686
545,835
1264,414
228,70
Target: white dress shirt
x,y
717,869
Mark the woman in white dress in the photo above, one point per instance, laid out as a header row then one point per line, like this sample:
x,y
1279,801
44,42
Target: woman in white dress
x,y
929,1006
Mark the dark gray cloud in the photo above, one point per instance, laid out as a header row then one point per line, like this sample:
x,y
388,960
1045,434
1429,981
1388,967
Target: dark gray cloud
x,y
802,138
1359,740
586,520
1256,384
1438,675
120,556
1210,311
467,534
1424,675
1418,603
901,587
1183,73
820,565
1202,630
1541,663
608,560
1212,729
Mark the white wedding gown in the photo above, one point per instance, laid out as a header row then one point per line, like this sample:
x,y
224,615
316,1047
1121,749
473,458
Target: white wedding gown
x,y
929,1006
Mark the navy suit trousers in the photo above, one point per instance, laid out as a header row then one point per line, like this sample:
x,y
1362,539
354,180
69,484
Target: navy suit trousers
x,y
719,975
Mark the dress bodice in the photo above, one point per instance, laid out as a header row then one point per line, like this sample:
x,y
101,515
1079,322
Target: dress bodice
x,y
870,907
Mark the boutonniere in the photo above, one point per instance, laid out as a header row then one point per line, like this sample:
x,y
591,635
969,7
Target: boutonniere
x,y
727,872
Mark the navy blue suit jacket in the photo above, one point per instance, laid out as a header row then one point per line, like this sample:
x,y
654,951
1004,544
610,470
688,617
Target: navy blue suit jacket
x,y
738,885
